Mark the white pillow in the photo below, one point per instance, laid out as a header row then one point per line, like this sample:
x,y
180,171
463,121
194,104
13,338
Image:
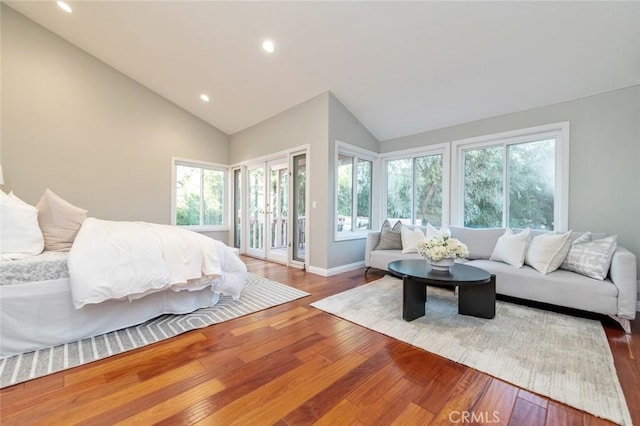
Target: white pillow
x,y
511,248
433,232
20,234
410,239
15,197
59,220
591,257
547,251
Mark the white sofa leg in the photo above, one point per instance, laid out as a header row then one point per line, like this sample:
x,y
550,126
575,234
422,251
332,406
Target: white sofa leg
x,y
625,323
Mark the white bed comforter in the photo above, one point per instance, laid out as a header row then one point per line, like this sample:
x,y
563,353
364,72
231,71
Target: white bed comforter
x,y
117,260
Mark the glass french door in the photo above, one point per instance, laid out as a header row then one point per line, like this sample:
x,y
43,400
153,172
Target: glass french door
x,y
298,207
237,208
278,211
268,210
274,195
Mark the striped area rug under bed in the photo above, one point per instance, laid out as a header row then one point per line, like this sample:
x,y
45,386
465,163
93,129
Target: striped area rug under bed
x,y
259,293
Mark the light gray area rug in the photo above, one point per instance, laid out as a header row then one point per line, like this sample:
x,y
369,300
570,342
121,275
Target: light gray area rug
x,y
259,293
565,358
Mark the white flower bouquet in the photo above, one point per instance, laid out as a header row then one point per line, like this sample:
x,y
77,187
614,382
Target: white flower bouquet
x,y
442,247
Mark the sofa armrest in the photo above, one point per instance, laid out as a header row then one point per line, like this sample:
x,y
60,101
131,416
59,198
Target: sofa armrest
x,y
623,274
373,238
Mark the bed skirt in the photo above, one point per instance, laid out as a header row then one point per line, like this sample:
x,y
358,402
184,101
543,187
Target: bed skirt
x,y
41,314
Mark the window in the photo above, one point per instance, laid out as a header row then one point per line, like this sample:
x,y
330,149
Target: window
x,y
199,190
416,187
518,179
354,174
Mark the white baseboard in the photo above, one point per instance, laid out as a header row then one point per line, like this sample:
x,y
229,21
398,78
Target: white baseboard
x,y
337,270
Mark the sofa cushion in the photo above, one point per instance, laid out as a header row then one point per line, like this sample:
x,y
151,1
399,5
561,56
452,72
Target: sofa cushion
x,y
546,252
511,248
480,242
410,239
562,288
380,258
390,238
590,257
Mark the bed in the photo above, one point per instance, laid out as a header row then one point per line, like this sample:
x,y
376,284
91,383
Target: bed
x,y
116,275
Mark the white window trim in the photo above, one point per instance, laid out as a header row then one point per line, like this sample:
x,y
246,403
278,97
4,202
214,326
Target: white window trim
x,y
560,131
443,149
364,154
175,161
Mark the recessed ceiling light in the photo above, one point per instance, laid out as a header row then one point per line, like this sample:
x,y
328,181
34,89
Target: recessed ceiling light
x,y
64,6
204,97
268,46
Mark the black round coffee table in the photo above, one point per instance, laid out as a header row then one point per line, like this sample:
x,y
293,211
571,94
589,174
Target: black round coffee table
x,y
476,287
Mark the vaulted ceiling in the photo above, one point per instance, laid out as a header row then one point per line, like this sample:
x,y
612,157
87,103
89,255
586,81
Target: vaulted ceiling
x,y
399,67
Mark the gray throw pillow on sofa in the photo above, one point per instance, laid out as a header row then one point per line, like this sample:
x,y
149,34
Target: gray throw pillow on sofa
x,y
390,238
479,241
591,257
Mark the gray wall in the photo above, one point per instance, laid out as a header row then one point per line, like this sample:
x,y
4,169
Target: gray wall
x,y
318,122
94,136
604,182
304,124
104,142
344,127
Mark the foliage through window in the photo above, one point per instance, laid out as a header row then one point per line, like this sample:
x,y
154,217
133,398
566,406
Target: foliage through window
x,y
353,201
415,189
200,195
511,183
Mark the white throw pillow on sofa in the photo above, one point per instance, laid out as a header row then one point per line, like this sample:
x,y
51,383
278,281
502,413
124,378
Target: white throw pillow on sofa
x,y
546,252
410,239
433,232
20,235
511,248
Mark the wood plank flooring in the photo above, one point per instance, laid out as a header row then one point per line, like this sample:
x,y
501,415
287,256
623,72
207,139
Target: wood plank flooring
x,y
295,365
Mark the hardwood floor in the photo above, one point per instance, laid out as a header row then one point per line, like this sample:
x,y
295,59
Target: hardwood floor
x,y
294,364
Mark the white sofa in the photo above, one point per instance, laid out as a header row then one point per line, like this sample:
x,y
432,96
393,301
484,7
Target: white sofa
x,y
615,296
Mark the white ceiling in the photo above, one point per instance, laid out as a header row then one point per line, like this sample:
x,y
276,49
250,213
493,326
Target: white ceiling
x,y
399,67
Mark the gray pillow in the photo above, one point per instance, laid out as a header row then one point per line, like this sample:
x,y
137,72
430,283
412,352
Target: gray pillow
x,y
390,238
591,257
480,241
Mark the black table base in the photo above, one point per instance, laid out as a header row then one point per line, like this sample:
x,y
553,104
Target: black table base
x,y
478,301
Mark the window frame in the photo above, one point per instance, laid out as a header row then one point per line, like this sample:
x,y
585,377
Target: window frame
x,y
357,153
443,149
176,161
558,131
